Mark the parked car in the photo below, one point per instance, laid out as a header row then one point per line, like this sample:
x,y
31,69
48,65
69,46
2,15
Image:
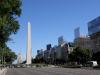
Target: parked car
x,y
91,64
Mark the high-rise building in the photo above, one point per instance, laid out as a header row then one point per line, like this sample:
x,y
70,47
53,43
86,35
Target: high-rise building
x,y
94,33
83,42
28,52
19,58
61,40
94,26
77,32
40,54
48,46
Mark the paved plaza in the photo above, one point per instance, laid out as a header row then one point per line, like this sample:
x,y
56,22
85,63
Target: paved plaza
x,y
51,71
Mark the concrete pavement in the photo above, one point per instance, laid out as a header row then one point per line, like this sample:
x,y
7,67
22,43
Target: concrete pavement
x,y
51,71
3,71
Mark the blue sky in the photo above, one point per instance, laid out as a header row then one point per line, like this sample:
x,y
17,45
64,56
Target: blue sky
x,y
51,19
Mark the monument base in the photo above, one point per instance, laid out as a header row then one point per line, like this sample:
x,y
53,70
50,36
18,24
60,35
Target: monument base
x,y
28,65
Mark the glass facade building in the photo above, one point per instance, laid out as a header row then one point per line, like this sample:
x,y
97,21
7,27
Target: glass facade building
x,y
94,26
77,32
94,33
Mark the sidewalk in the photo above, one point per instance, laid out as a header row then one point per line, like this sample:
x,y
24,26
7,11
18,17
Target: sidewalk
x,y
3,71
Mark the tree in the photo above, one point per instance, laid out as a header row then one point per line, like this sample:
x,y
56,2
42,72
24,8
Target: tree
x,y
7,55
9,11
80,55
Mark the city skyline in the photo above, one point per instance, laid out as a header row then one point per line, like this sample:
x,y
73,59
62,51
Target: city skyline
x,y
51,19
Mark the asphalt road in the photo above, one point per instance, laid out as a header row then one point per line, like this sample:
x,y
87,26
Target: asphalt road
x,y
51,71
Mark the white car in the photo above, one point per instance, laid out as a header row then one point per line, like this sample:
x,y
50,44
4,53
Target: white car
x,y
93,63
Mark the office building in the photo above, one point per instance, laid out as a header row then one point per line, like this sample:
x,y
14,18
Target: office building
x,y
49,47
94,33
83,42
61,40
40,54
77,32
19,58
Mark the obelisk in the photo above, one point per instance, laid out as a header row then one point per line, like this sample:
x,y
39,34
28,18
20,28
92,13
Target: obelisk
x,y
28,52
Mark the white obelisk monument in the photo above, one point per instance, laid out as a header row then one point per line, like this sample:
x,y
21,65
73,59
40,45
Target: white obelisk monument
x,y
28,52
